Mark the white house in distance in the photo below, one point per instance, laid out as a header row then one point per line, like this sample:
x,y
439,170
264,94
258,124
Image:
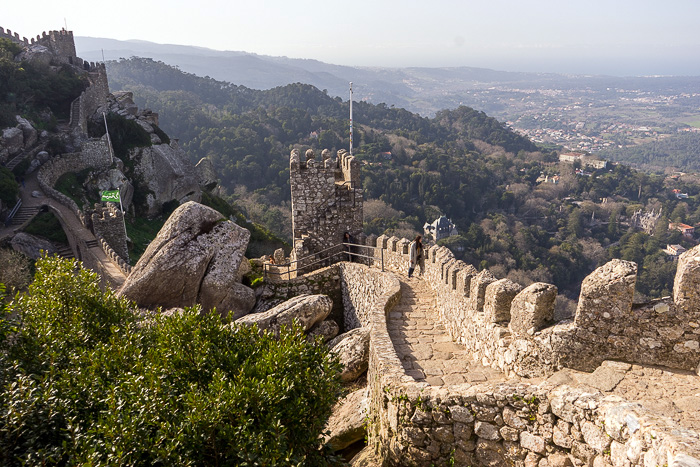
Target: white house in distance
x,y
586,160
442,227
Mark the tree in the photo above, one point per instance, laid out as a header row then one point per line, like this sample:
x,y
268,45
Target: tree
x,y
85,380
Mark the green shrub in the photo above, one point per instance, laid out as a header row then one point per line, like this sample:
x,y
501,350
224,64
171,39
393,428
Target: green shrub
x,y
47,225
21,168
85,382
9,189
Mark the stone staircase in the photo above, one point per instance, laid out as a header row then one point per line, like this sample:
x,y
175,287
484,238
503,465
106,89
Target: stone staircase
x,y
424,346
25,214
30,153
65,251
74,121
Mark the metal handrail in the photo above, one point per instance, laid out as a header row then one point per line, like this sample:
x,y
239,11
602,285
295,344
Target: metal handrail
x,y
327,261
8,221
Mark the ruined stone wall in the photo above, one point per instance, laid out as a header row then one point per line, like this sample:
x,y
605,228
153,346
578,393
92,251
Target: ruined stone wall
x,y
14,37
326,202
60,43
94,154
510,328
93,98
324,281
108,225
413,423
361,286
117,260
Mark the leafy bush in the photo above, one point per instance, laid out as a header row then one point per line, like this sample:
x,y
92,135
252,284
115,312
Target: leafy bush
x,y
47,225
9,189
85,381
21,168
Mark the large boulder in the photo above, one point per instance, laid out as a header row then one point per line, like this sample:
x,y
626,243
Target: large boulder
x,y
31,246
307,310
194,259
167,174
28,132
352,348
347,422
206,174
326,329
12,140
37,54
368,457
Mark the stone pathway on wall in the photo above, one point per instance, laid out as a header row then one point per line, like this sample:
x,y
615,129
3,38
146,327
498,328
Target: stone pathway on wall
x,y
75,228
428,354
423,344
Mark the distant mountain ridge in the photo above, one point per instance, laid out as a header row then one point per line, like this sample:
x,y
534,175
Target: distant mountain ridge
x,y
410,88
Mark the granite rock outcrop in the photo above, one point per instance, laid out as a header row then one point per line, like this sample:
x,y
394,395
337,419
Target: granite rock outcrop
x,y
194,259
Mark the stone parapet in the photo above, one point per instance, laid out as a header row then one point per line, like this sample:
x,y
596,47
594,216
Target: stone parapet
x,y
515,333
114,257
413,423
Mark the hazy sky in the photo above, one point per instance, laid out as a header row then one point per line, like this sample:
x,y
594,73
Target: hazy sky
x,y
588,36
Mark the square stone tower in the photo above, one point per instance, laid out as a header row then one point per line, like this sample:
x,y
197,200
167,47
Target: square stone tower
x,y
326,203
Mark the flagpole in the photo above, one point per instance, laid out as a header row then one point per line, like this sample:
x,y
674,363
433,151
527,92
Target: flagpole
x,y
109,142
351,118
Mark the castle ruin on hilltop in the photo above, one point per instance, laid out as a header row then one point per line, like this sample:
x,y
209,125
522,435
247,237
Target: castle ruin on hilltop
x,y
538,417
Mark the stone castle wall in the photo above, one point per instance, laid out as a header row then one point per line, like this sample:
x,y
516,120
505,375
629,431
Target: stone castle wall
x,y
321,281
14,37
95,154
60,43
326,202
108,225
93,98
510,328
413,423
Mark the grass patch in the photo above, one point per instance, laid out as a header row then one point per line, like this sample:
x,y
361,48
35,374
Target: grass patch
x,y
71,185
46,225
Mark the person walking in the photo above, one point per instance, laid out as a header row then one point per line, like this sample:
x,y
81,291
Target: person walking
x,y
348,240
416,255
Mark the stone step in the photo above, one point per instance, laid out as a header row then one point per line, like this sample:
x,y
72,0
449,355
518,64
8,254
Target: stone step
x,y
24,214
92,244
65,251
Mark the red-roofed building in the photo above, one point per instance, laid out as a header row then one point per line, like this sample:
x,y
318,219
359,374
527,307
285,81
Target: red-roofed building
x,y
687,230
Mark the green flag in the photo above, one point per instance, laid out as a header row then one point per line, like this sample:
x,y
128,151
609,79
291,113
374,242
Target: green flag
x,y
111,196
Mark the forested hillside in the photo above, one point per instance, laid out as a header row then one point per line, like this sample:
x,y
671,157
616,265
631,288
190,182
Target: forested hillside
x,y
677,152
520,212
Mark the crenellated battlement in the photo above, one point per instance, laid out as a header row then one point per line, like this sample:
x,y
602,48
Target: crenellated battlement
x,y
512,328
326,201
61,44
14,37
108,225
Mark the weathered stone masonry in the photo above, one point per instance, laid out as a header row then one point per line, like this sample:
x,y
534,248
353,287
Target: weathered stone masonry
x,y
511,329
414,423
326,202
